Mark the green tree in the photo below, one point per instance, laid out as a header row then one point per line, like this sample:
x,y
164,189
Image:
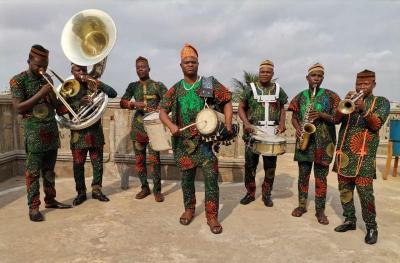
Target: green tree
x,y
239,86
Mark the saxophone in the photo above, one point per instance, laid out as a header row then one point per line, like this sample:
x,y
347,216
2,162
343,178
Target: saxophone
x,y
307,127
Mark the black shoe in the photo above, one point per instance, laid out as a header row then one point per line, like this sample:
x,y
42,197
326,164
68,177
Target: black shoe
x,y
58,205
79,199
268,201
372,236
35,215
346,226
100,196
247,199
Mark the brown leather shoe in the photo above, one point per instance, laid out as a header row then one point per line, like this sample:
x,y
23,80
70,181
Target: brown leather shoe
x,y
143,193
215,226
322,218
187,217
299,211
159,197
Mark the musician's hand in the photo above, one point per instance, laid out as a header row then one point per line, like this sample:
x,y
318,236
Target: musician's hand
x,y
46,89
298,132
85,100
350,94
229,127
138,104
313,115
360,105
174,130
248,128
86,78
281,128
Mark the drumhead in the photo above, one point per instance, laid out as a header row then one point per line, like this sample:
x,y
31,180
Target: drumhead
x,y
152,116
206,121
268,138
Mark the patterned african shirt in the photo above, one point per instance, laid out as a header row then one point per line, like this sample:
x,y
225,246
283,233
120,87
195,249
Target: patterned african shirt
x,y
321,146
154,92
40,126
185,103
91,137
256,110
359,139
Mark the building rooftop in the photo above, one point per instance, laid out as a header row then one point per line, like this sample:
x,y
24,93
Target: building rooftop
x,y
130,230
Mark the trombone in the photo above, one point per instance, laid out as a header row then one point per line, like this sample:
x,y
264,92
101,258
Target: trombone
x,y
347,106
69,88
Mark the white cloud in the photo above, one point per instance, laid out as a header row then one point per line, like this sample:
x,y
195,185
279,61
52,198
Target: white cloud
x,y
231,36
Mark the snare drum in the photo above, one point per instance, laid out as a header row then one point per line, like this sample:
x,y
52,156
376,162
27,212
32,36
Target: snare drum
x,y
268,145
211,125
159,135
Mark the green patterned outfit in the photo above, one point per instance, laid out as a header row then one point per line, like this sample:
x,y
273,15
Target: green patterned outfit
x,y
321,146
41,138
255,112
356,156
90,140
190,151
152,92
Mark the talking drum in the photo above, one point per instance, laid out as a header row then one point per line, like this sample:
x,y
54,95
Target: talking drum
x,y
159,135
211,125
268,145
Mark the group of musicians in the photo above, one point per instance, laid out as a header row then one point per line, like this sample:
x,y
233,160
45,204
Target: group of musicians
x,y
354,157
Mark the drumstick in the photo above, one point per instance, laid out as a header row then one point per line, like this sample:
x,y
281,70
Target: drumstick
x,y
190,125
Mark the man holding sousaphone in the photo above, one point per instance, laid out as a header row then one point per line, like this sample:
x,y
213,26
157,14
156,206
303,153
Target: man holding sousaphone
x,y
35,100
313,118
252,111
185,100
89,139
356,152
147,94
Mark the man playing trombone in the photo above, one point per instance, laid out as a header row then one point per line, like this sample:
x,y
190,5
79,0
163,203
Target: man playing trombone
x,y
313,118
90,139
356,152
35,100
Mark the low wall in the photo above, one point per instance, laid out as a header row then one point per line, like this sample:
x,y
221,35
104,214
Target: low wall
x,y
118,151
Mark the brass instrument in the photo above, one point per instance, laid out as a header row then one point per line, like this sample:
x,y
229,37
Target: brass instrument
x,y
86,40
68,87
347,106
307,127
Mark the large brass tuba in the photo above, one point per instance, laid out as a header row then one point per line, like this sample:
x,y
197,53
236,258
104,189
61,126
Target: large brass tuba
x,y
86,40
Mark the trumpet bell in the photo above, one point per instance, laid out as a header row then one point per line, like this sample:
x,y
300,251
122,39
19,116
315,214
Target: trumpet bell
x,y
88,37
346,106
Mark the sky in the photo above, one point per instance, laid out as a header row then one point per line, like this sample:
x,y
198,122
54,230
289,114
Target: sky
x,y
231,37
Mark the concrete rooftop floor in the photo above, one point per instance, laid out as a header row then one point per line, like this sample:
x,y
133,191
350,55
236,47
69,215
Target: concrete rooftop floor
x,y
130,230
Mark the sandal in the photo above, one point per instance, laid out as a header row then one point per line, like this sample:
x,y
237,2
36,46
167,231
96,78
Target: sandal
x,y
215,226
299,211
187,217
322,218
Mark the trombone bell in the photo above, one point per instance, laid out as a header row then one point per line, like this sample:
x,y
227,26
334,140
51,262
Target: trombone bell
x,y
69,88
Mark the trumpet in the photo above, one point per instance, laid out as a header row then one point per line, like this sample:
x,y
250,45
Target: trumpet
x,y
308,128
347,106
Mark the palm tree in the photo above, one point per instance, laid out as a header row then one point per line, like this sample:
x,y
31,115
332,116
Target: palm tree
x,y
239,86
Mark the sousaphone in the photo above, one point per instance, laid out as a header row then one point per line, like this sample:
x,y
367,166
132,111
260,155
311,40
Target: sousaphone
x,y
86,40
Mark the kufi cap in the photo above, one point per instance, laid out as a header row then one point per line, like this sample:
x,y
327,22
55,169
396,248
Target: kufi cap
x,y
188,51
